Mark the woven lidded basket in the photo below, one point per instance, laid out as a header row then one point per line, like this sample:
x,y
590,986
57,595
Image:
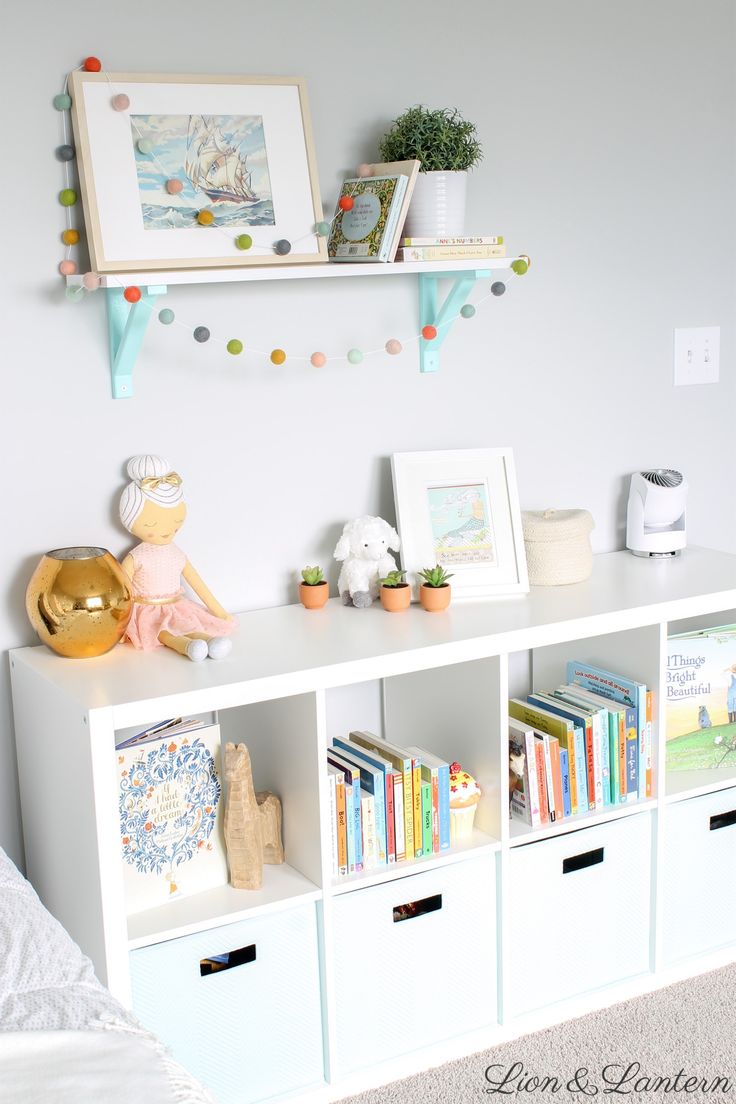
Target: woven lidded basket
x,y
557,543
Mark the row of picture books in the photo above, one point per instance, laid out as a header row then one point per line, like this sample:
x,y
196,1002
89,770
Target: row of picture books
x,y
369,220
584,746
387,803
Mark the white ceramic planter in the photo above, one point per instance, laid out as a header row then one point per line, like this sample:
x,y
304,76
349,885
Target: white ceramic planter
x,y
437,207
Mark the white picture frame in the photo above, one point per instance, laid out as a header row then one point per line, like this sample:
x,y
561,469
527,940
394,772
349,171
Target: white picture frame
x,y
460,508
189,129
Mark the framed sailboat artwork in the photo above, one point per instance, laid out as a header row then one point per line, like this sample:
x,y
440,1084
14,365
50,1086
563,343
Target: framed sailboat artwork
x,y
237,147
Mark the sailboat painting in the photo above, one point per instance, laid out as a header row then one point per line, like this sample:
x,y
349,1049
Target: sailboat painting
x,y
221,162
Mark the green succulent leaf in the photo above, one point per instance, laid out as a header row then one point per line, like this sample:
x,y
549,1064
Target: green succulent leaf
x,y
435,576
441,139
312,576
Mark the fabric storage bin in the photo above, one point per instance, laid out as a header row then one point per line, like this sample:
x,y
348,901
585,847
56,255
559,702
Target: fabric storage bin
x,y
699,875
579,912
415,961
248,1032
557,546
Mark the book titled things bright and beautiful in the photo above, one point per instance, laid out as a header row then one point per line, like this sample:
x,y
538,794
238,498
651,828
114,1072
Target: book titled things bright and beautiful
x,y
369,230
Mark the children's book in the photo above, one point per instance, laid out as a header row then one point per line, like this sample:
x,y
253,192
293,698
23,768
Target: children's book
x,y
525,798
369,229
409,766
544,719
616,717
333,822
426,818
368,824
440,774
352,803
341,818
630,693
171,817
374,773
701,699
565,771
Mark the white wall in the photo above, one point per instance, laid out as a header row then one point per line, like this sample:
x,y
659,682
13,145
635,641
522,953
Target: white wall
x,y
609,138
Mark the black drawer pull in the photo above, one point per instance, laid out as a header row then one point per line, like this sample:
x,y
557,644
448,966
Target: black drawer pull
x,y
579,862
217,963
417,908
722,820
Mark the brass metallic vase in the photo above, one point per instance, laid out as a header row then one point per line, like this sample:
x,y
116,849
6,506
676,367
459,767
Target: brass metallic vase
x,y
79,601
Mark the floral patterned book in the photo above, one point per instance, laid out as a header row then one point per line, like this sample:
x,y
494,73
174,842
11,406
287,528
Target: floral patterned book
x,y
370,229
171,814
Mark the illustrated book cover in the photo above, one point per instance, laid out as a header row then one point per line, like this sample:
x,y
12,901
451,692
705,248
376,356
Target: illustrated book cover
x,y
370,229
171,818
701,700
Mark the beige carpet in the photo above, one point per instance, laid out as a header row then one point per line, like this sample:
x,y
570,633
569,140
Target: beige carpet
x,y
688,1028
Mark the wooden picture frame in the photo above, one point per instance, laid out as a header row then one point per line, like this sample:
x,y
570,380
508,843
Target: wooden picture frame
x,y
239,146
460,509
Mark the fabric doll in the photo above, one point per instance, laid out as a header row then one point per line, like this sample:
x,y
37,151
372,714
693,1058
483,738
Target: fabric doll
x,y
152,508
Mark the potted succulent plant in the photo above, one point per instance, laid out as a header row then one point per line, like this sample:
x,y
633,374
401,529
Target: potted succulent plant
x,y
435,591
395,592
313,591
447,146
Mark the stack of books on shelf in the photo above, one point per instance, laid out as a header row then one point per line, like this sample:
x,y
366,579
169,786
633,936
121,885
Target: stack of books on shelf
x,y
387,803
582,747
451,249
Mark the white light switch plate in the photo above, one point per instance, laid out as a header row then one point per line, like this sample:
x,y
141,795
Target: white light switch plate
x,y
697,355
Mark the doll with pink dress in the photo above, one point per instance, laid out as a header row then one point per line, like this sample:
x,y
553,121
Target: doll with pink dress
x,y
152,508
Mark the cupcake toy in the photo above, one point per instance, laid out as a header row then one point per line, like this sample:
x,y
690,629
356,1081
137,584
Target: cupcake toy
x,y
464,798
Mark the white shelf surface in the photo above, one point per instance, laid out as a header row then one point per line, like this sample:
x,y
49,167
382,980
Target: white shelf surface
x,y
283,887
318,270
694,783
289,650
479,844
520,833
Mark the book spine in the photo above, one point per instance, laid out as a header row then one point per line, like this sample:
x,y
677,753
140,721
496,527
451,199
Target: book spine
x,y
548,778
554,753
333,824
641,718
435,811
368,822
590,763
542,779
387,250
581,768
613,755
416,781
399,822
451,252
444,788
342,835
357,819
530,766
390,826
568,744
600,773
409,809
481,240
622,755
350,826
632,755
565,772
650,742
427,818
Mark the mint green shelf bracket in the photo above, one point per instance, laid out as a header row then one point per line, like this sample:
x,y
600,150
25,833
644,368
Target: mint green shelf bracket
x,y
126,324
442,319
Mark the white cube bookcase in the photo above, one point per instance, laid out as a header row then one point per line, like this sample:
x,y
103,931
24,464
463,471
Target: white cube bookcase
x,y
339,988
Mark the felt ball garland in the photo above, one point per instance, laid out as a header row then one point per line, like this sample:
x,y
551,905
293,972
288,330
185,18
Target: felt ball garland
x,y
282,247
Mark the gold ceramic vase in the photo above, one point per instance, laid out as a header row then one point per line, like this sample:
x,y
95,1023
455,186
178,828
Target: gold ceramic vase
x,y
79,601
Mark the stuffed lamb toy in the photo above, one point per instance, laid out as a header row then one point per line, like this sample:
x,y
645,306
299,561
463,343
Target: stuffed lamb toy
x,y
364,551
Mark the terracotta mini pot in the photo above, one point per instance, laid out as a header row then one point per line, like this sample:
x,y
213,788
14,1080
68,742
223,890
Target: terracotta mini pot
x,y
396,598
434,599
314,596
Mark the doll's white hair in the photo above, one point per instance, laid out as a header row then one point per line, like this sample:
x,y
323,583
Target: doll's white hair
x,y
149,482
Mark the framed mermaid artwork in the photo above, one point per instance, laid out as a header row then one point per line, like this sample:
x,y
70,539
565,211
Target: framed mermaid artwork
x,y
460,509
182,172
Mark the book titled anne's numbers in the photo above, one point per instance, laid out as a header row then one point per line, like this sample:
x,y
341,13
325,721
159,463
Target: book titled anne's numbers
x,y
368,231
170,803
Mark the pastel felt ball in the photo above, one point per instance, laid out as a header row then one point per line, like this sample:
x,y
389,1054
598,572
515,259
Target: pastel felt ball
x,y
91,281
323,229
70,237
62,102
65,153
355,356
429,333
282,247
234,346
467,311
74,294
132,294
201,334
498,288
318,360
346,203
145,145
393,347
243,241
205,218
67,197
519,266
364,170
92,65
166,316
174,186
67,268
120,102
278,356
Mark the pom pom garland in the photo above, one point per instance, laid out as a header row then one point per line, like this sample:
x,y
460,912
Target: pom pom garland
x,y
166,316
92,65
318,360
62,102
120,102
244,241
205,218
467,311
74,294
364,171
201,334
282,247
429,333
323,229
346,203
132,294
393,347
355,356
70,237
278,356
67,197
68,268
498,288
91,281
234,346
174,186
65,152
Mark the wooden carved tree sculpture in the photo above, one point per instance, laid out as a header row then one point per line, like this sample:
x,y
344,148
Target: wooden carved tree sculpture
x,y
252,822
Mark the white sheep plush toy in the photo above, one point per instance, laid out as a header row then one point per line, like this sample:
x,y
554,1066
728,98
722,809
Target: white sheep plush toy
x,y
364,551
